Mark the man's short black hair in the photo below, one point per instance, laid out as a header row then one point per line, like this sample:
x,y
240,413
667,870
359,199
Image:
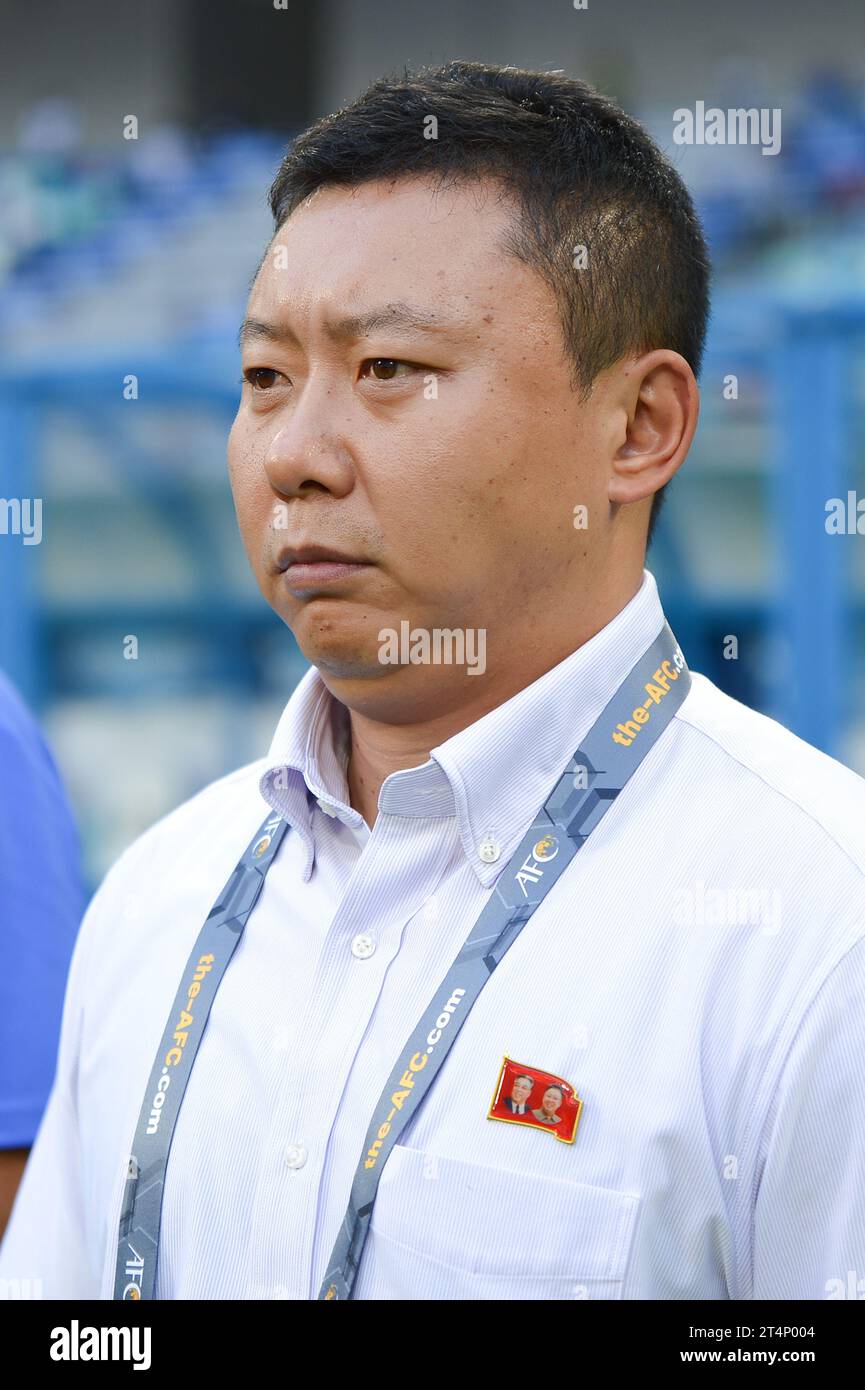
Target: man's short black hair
x,y
583,174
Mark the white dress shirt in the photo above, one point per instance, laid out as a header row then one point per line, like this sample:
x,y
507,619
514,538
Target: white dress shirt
x,y
697,974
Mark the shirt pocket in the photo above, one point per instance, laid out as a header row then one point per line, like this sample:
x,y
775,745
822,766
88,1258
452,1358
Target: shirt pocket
x,y
443,1228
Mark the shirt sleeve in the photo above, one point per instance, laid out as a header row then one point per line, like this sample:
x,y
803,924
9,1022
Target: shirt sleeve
x,y
809,1209
44,1249
41,903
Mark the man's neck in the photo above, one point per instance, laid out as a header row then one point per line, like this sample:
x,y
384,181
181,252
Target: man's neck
x,y
376,749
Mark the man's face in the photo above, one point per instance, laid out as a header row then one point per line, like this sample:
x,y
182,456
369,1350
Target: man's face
x,y
521,1091
551,1100
452,476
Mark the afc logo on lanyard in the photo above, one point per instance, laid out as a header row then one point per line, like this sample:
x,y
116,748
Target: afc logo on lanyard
x,y
134,1271
542,852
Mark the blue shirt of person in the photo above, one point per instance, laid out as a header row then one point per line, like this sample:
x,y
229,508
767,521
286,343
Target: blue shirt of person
x,y
42,900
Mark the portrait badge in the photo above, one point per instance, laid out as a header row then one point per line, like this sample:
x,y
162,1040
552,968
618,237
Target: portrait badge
x,y
525,1095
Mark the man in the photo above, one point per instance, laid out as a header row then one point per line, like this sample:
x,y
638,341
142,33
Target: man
x,y
517,1101
41,902
547,1112
479,321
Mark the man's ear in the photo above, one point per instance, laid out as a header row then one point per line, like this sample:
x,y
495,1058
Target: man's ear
x,y
660,398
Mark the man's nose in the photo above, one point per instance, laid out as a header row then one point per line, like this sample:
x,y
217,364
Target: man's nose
x,y
310,447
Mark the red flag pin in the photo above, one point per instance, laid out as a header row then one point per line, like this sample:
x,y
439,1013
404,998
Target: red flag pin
x,y
525,1095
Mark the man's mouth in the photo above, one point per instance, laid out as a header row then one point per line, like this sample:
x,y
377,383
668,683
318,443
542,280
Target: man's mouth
x,y
313,566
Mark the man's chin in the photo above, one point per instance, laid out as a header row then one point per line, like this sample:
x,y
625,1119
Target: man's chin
x,y
348,666
336,640
341,655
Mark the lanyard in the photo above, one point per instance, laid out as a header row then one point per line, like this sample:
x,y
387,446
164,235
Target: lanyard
x,y
629,725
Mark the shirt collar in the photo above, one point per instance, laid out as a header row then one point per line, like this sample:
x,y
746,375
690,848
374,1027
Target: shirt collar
x,y
307,761
493,775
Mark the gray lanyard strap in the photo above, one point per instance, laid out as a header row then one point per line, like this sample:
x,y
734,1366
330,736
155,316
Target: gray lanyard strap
x,y
613,749
138,1240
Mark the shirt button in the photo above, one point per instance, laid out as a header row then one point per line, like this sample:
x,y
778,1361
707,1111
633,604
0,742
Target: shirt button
x,y
326,807
295,1155
362,947
489,849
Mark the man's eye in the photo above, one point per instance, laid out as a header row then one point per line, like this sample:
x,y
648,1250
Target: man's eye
x,y
386,368
253,375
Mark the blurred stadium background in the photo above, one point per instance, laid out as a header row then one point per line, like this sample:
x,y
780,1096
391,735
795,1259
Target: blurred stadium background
x,y
128,258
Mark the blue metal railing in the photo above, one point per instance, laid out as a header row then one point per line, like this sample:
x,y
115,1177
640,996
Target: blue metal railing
x,y
805,359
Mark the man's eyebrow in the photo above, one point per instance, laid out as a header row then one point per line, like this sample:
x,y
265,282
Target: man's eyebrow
x,y
354,326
